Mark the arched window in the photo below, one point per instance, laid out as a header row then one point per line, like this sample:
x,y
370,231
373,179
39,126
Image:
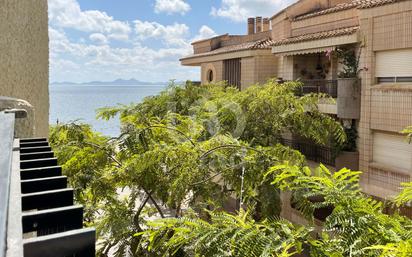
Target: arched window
x,y
209,76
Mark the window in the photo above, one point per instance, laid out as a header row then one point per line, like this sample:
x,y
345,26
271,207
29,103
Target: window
x,y
232,72
382,80
392,150
394,66
209,76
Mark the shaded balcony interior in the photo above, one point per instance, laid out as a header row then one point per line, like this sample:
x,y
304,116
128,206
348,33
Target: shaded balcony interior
x,y
321,72
317,71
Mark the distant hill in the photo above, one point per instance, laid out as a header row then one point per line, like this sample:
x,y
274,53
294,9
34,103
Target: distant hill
x,y
117,82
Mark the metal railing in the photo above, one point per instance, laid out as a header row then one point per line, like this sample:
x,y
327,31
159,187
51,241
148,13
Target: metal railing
x,y
329,87
38,217
312,152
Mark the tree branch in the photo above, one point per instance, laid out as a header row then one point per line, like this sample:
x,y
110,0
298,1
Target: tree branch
x,y
139,211
107,152
155,204
206,179
228,146
173,129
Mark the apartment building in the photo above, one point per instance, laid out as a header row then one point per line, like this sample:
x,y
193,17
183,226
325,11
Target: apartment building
x,y
300,42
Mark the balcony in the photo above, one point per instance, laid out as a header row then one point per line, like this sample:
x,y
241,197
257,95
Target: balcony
x,y
345,91
329,87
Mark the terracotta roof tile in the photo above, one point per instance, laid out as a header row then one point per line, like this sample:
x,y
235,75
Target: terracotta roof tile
x,y
337,8
316,36
361,4
254,45
375,3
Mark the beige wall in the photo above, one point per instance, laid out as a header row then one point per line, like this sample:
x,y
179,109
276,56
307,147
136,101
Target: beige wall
x,y
259,69
24,56
282,25
256,69
216,67
391,110
281,29
248,72
347,18
392,30
267,67
383,108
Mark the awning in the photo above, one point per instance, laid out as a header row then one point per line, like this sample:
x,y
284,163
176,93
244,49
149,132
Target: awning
x,y
315,45
308,51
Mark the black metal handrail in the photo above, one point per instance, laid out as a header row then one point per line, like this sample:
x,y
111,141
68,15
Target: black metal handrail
x,y
38,216
51,221
329,87
312,152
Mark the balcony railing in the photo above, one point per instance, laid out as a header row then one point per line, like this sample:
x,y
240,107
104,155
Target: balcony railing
x,y
329,87
312,152
38,217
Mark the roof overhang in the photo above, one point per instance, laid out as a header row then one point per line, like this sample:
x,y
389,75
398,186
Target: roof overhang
x,y
198,60
315,46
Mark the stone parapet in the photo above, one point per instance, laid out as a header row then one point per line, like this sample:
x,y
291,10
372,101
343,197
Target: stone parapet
x,y
24,126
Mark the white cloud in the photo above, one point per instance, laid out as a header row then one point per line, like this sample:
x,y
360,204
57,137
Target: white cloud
x,y
59,43
171,6
240,10
98,38
88,55
66,65
172,35
79,61
67,14
204,32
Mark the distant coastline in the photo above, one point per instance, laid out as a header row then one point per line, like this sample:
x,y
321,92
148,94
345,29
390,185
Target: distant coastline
x,y
117,82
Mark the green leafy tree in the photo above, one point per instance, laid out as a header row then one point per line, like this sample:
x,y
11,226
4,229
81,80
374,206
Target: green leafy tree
x,y
225,235
258,115
191,147
356,227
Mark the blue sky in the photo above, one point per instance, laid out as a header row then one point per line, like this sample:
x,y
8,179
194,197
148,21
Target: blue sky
x,y
142,39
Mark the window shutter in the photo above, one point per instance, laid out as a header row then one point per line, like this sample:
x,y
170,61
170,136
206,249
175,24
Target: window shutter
x,y
397,63
392,150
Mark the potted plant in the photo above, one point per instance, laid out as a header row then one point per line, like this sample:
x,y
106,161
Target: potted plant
x,y
349,83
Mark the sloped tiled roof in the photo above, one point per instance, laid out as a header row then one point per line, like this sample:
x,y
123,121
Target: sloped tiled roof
x,y
361,4
316,36
375,3
254,45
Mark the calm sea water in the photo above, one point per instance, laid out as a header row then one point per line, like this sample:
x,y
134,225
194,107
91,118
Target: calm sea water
x,y
79,102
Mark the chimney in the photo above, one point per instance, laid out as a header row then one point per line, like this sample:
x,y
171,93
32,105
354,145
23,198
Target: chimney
x,y
258,24
251,26
266,26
